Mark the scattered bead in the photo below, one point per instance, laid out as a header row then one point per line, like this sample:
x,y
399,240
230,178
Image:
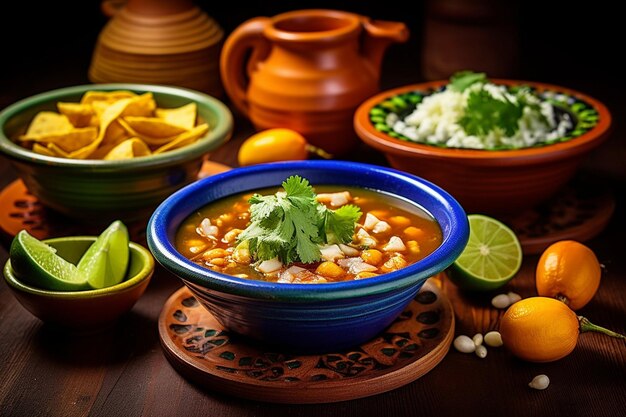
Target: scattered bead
x,y
514,297
493,339
540,382
464,344
481,351
501,301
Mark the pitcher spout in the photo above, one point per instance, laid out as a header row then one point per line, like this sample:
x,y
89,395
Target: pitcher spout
x,y
379,34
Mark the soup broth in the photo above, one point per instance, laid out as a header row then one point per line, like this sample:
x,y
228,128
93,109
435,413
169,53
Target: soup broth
x,y
392,233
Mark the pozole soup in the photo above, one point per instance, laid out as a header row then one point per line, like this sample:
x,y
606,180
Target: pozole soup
x,y
296,236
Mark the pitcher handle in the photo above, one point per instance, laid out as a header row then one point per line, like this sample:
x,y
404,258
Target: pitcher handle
x,y
378,35
234,70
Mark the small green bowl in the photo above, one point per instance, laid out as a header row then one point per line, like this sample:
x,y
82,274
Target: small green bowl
x,y
84,309
103,191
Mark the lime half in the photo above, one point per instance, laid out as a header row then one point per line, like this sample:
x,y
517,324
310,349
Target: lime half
x,y
37,264
492,257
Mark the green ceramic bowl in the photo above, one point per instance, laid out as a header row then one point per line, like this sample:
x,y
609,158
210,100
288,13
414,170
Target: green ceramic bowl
x,y
84,309
103,191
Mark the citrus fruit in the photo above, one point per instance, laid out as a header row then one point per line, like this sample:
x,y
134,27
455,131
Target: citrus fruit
x,y
36,263
542,329
539,329
568,271
105,262
273,145
491,258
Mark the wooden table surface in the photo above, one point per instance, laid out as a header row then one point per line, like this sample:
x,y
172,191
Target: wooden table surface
x,y
122,371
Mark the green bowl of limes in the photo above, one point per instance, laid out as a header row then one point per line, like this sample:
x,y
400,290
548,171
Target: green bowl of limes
x,y
78,305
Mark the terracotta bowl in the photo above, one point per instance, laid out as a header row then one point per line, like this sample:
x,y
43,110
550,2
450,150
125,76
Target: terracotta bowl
x,y
486,181
102,191
88,309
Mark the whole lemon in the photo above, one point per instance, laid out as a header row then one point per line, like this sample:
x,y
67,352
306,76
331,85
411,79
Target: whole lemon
x,y
539,329
570,272
273,145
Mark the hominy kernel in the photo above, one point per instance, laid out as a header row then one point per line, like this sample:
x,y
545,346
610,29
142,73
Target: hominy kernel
x,y
414,232
413,246
365,274
540,382
493,339
218,261
330,270
372,256
214,253
400,221
464,344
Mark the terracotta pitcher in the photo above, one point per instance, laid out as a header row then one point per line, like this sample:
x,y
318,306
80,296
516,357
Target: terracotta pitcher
x,y
307,70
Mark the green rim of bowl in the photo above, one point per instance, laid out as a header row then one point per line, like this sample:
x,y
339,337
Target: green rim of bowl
x,y
146,272
216,136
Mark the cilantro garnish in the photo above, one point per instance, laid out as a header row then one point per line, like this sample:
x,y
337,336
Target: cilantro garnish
x,y
292,224
485,113
463,79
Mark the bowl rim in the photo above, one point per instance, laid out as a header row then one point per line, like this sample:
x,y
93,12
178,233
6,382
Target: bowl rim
x,y
167,255
144,274
216,136
576,145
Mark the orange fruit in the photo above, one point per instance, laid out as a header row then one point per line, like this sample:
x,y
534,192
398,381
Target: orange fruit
x,y
568,271
273,145
542,329
539,329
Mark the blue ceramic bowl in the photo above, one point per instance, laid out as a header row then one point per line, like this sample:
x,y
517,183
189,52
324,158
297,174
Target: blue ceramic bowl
x,y
305,317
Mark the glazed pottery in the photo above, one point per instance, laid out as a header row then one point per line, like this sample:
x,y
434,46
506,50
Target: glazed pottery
x,y
490,181
84,309
100,190
158,42
307,317
308,70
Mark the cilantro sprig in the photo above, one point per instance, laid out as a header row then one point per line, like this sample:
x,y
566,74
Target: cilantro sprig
x,y
292,224
464,79
485,113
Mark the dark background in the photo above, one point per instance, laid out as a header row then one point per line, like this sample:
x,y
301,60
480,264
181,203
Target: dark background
x,y
49,44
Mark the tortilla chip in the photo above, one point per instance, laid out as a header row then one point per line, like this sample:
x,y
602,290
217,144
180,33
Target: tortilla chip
x,y
115,134
72,140
130,148
184,139
112,125
57,151
153,127
109,115
143,105
78,114
40,149
184,116
111,96
148,139
47,123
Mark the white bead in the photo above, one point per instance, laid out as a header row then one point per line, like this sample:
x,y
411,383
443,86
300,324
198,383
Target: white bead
x,y
464,344
501,301
481,351
514,297
493,339
478,339
540,382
